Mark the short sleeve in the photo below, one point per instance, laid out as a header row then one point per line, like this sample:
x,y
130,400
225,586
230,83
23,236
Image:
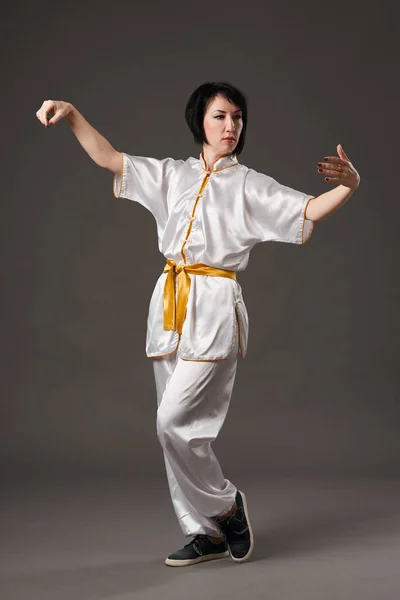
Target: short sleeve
x,y
276,212
147,181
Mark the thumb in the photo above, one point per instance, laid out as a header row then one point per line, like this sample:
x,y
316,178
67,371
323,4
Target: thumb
x,y
341,152
56,117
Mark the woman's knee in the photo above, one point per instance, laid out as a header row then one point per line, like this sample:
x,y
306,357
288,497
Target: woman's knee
x,y
168,419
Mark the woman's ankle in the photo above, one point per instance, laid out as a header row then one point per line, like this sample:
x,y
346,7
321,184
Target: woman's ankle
x,y
226,514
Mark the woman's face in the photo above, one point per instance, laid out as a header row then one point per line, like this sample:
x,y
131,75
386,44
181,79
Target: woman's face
x,y
222,125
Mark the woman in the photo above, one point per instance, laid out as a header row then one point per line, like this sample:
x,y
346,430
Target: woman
x,y
210,211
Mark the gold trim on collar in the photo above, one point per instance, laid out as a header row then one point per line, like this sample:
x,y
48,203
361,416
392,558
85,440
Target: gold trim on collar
x,y
224,162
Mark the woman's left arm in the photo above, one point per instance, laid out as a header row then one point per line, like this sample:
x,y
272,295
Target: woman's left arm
x,y
336,170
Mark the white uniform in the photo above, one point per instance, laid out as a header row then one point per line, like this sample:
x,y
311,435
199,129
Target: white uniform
x,y
233,208
212,218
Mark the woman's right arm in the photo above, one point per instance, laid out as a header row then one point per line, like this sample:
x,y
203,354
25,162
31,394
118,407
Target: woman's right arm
x,y
98,148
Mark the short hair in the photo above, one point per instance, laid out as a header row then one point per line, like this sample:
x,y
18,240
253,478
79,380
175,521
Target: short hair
x,y
197,105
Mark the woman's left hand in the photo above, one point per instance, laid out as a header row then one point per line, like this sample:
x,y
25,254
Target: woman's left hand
x,y
339,170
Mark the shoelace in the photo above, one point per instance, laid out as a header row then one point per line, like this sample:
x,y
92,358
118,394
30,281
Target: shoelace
x,y
199,537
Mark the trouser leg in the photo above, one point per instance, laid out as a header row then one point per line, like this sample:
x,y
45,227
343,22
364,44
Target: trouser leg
x,y
163,369
192,409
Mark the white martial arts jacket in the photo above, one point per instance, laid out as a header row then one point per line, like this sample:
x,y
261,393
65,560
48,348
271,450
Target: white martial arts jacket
x,y
214,218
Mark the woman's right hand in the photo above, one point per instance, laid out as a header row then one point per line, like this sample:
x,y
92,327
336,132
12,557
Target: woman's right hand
x,y
58,107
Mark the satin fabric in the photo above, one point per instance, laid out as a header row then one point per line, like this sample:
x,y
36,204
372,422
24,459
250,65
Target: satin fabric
x,y
175,309
214,218
193,399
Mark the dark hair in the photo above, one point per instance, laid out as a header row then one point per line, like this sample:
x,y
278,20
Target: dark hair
x,y
197,106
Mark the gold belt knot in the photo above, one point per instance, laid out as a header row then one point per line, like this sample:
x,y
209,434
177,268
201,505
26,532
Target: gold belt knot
x,y
175,309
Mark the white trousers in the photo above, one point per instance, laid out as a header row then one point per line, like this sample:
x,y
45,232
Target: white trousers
x,y
193,400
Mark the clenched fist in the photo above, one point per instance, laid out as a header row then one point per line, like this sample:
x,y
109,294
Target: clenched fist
x,y
59,109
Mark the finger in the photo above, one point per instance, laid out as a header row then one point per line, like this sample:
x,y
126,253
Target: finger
x,y
45,117
347,181
333,180
335,159
48,106
42,112
336,174
328,168
41,116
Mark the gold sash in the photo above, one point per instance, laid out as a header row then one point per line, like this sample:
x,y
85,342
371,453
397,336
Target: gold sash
x,y
175,311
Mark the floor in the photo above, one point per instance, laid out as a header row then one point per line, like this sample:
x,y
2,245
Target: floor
x,y
316,537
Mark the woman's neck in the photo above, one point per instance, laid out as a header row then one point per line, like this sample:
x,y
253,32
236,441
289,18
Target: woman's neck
x,y
210,157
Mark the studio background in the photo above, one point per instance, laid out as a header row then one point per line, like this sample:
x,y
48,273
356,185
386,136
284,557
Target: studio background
x,y
318,390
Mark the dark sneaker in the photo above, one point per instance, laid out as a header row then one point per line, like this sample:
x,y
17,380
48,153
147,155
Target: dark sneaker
x,y
237,530
201,548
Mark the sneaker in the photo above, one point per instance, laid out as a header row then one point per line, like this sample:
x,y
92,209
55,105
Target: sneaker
x,y
237,530
201,548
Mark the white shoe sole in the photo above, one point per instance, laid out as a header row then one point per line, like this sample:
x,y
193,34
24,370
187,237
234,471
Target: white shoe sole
x,y
194,561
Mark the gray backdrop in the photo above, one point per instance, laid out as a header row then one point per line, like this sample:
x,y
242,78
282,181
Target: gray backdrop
x,y
319,387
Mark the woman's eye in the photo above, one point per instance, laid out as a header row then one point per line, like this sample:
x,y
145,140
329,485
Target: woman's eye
x,y
221,117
